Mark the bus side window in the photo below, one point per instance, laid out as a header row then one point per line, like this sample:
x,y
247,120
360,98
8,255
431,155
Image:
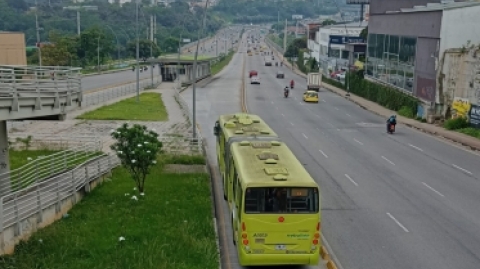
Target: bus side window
x,y
235,182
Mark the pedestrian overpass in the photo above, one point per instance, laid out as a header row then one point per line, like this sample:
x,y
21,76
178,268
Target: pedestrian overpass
x,y
33,92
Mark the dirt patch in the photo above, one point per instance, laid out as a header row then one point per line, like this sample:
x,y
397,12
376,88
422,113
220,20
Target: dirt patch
x,y
184,168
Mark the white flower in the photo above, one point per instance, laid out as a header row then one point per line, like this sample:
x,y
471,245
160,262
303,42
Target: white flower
x,y
112,131
118,132
120,152
148,151
154,162
133,152
142,194
134,161
121,238
135,188
40,240
146,142
127,194
139,145
134,198
29,159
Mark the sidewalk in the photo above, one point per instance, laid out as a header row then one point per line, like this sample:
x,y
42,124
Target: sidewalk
x,y
71,128
465,140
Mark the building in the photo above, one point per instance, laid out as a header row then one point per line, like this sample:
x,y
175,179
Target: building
x,y
328,46
12,49
409,43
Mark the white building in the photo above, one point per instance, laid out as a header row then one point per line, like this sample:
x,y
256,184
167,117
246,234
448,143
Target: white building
x,y
329,42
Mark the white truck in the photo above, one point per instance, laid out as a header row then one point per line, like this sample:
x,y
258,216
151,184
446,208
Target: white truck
x,y
314,81
268,60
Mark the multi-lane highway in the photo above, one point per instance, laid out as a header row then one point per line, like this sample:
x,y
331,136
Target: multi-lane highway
x,y
221,96
406,200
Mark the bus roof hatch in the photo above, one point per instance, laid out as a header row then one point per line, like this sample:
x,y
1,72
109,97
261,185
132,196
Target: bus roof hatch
x,y
276,171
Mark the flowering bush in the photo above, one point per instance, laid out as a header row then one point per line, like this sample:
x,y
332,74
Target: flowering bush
x,y
137,149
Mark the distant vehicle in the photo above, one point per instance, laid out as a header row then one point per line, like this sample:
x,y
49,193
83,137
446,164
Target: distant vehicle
x,y
314,81
340,76
255,80
253,73
268,62
280,74
310,96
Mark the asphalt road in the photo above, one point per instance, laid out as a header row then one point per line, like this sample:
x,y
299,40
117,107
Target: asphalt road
x,y
406,200
104,80
222,96
221,45
207,48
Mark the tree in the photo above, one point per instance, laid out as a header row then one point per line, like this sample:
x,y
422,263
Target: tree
x,y
62,51
90,41
144,46
328,22
137,149
364,33
297,44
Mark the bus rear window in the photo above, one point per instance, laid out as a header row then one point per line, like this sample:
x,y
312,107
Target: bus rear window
x,y
292,200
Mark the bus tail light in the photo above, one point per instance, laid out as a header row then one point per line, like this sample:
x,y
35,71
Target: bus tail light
x,y
244,227
316,235
244,236
245,242
315,242
318,226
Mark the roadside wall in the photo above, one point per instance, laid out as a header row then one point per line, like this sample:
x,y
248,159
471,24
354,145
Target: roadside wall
x,y
12,49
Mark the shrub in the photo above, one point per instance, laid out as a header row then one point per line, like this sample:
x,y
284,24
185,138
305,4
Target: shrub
x,y
184,159
406,111
455,124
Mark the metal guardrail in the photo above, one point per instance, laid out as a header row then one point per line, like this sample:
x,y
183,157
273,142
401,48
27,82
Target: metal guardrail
x,y
45,140
273,44
20,205
44,167
106,95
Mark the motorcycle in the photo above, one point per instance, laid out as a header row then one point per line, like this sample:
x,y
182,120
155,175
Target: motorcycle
x,y
285,93
390,128
291,85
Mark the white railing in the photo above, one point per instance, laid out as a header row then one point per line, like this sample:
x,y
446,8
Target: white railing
x,y
43,167
99,97
48,141
21,205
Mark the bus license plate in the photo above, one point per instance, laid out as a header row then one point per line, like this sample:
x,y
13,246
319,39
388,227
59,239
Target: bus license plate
x,y
280,247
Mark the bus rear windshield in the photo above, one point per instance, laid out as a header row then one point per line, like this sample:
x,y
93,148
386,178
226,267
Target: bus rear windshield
x,y
294,200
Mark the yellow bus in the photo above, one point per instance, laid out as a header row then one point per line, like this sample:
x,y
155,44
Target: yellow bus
x,y
275,208
237,127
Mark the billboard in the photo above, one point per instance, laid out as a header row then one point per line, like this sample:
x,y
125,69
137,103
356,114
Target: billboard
x,y
340,39
186,40
358,2
297,17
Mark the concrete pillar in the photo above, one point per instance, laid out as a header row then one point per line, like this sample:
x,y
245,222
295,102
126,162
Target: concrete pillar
x,y
4,160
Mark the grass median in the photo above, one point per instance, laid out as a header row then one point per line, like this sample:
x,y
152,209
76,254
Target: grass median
x,y
150,108
217,67
170,226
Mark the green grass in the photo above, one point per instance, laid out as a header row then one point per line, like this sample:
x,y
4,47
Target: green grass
x,y
470,131
217,67
19,158
170,227
150,108
183,159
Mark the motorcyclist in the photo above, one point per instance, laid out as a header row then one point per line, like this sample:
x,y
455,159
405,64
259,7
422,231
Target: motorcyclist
x,y
281,63
391,121
292,83
286,90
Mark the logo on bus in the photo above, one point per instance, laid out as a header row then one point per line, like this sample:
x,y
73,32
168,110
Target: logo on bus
x,y
260,235
298,235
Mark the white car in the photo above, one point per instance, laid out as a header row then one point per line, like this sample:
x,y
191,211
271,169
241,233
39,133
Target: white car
x,y
255,80
340,76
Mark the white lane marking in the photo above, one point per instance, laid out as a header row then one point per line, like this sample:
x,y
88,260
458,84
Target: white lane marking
x,y
300,103
415,147
462,169
385,158
349,178
323,153
432,189
348,114
283,115
291,123
358,141
324,101
306,137
397,222
336,108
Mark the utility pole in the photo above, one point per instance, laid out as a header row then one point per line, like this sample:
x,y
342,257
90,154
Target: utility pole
x,y
78,22
137,51
39,49
216,46
285,38
98,53
194,85
151,47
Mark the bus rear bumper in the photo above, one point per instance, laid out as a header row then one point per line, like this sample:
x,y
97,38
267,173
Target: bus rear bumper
x,y
279,259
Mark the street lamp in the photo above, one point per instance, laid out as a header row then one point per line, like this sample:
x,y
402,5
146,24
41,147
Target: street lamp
x,y
194,106
137,51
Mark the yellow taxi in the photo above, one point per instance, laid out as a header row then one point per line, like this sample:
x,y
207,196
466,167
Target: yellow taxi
x,y
310,96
